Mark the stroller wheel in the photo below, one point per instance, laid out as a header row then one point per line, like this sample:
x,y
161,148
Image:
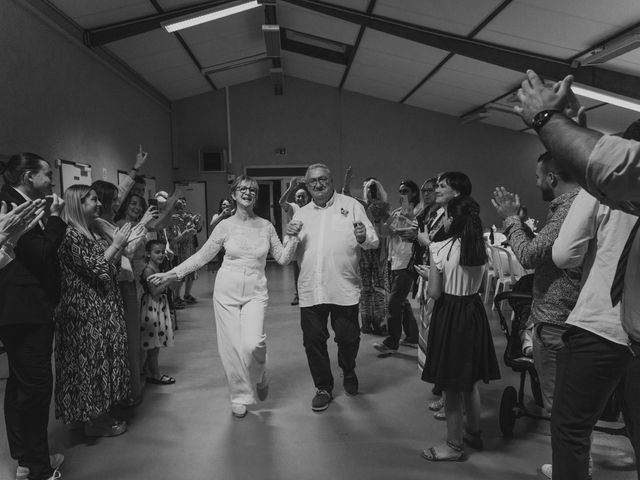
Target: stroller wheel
x,y
507,411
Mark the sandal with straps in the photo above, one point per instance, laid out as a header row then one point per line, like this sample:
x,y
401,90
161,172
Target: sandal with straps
x,y
431,454
163,380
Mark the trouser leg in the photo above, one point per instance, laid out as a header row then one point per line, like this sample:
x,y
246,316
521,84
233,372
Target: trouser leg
x,y
589,368
344,321
629,395
28,395
547,343
315,334
400,286
230,347
409,322
254,346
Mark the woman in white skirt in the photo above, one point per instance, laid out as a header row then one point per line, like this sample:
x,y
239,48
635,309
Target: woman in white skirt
x,y
240,293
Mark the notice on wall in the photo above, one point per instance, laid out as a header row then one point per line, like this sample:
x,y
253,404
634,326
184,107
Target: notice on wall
x,y
72,173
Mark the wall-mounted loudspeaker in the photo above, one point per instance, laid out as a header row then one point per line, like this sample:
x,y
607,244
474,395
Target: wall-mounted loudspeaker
x,y
213,161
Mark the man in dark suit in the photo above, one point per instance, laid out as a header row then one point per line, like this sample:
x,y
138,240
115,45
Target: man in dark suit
x,y
29,292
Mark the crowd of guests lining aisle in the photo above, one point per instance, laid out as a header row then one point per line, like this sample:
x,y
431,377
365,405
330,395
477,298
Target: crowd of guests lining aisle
x,y
101,272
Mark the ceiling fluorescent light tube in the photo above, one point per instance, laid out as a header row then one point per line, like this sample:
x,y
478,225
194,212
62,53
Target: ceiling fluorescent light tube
x,y
613,49
606,97
208,15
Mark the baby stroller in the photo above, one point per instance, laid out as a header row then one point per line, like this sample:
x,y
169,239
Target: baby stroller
x,y
512,404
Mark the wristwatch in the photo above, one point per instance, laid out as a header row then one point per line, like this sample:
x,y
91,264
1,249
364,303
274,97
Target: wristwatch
x,y
540,119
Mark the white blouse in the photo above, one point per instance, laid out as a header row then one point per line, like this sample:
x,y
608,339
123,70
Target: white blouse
x,y
245,247
456,279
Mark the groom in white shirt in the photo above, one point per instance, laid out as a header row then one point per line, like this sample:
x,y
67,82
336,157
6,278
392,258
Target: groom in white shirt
x,y
335,229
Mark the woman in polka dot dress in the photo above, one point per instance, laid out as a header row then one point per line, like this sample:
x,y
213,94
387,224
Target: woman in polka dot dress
x,y
155,316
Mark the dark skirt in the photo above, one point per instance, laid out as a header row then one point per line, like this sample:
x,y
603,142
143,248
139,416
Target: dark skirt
x,y
460,348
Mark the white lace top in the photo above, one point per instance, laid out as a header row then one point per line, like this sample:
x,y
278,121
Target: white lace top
x,y
245,247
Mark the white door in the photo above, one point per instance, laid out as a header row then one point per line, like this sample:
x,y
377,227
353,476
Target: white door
x,y
195,194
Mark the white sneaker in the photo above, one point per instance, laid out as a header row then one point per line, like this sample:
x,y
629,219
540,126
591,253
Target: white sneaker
x,y
238,410
547,469
56,460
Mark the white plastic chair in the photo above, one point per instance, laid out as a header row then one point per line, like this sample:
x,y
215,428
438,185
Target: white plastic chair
x,y
517,270
489,276
502,263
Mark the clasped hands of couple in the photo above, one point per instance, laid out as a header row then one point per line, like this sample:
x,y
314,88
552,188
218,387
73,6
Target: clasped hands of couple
x,y
161,279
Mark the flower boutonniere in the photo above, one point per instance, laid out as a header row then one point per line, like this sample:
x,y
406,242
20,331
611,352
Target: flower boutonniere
x,y
344,212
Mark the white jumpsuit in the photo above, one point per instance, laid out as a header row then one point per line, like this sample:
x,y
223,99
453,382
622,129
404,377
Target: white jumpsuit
x,y
240,298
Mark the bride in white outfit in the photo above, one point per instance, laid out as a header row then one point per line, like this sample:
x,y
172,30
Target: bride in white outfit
x,y
240,293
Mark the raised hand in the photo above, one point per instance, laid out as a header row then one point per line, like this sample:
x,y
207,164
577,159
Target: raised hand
x,y
505,203
141,157
348,176
535,96
359,231
150,215
57,204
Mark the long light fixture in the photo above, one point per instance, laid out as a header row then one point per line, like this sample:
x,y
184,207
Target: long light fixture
x,y
612,49
209,15
606,97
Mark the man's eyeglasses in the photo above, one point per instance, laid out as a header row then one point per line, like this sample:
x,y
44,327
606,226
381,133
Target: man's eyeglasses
x,y
251,190
315,181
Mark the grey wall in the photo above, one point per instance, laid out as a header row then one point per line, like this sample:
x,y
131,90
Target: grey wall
x,y
387,140
59,101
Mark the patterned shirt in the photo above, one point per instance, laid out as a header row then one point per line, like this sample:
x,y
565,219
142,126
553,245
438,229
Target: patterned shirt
x,y
555,291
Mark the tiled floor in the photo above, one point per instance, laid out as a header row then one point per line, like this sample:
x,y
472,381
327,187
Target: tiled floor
x,y
186,431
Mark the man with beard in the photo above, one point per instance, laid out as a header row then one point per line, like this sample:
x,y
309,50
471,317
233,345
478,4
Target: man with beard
x,y
335,229
554,292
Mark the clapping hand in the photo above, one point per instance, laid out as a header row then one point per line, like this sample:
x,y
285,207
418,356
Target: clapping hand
x,y
359,231
57,204
121,236
20,219
505,203
536,96
137,232
294,228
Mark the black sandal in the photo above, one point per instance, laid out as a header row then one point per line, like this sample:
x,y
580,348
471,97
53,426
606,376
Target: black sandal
x,y
431,455
163,380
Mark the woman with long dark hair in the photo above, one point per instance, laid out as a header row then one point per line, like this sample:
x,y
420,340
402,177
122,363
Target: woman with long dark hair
x,y
460,350
111,202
